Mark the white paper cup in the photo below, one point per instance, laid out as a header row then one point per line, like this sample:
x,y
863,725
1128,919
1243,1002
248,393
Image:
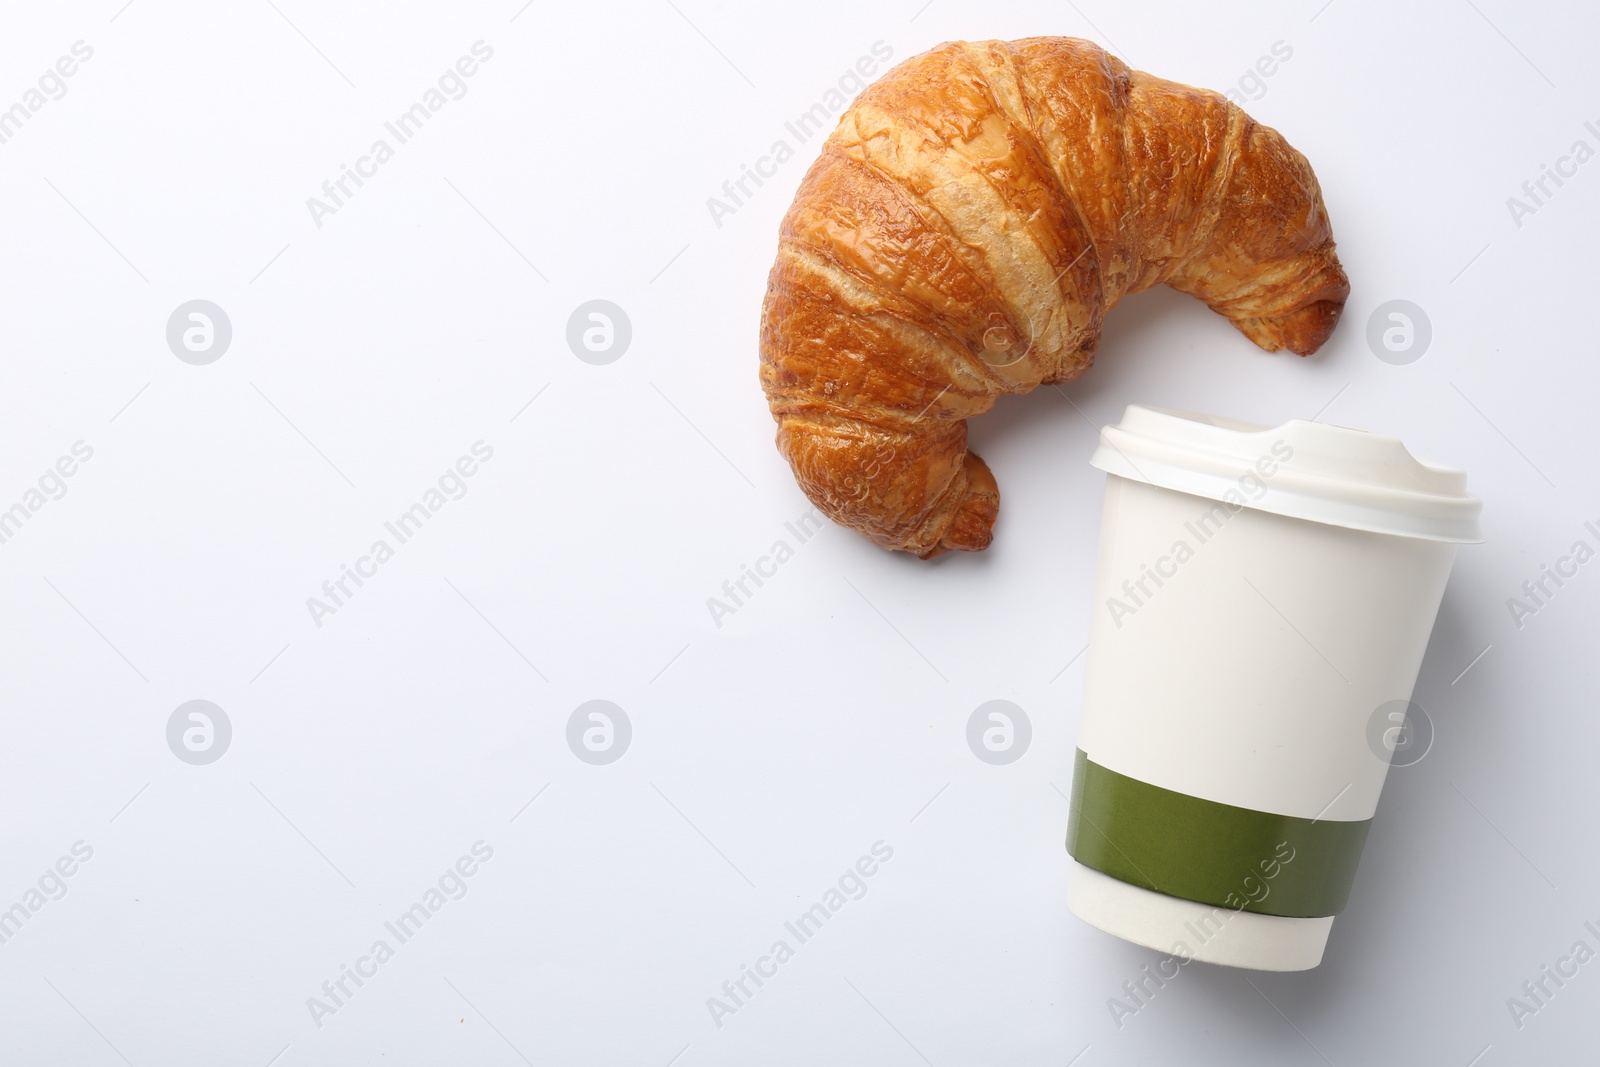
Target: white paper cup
x,y
1261,593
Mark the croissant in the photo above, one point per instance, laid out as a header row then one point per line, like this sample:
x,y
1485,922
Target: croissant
x,y
974,215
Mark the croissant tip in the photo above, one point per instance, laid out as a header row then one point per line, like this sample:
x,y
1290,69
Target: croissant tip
x,y
971,529
1310,327
1301,331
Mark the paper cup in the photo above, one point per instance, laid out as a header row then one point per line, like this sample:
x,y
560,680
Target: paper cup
x,y
1260,595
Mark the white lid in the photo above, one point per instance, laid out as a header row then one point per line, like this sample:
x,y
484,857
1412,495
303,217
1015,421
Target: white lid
x,y
1306,470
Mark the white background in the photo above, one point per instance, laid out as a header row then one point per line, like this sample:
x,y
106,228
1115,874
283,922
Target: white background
x,y
830,711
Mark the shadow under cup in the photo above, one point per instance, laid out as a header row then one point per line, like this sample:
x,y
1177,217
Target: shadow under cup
x,y
1259,593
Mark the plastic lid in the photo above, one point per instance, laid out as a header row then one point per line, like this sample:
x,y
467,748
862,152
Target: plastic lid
x,y
1306,470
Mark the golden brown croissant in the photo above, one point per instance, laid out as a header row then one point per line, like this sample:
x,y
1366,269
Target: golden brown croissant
x,y
973,216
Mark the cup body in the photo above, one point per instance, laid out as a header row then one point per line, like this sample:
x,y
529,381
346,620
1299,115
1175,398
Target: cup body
x,y
1226,769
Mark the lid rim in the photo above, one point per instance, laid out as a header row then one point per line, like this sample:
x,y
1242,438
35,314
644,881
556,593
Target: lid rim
x,y
1339,482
